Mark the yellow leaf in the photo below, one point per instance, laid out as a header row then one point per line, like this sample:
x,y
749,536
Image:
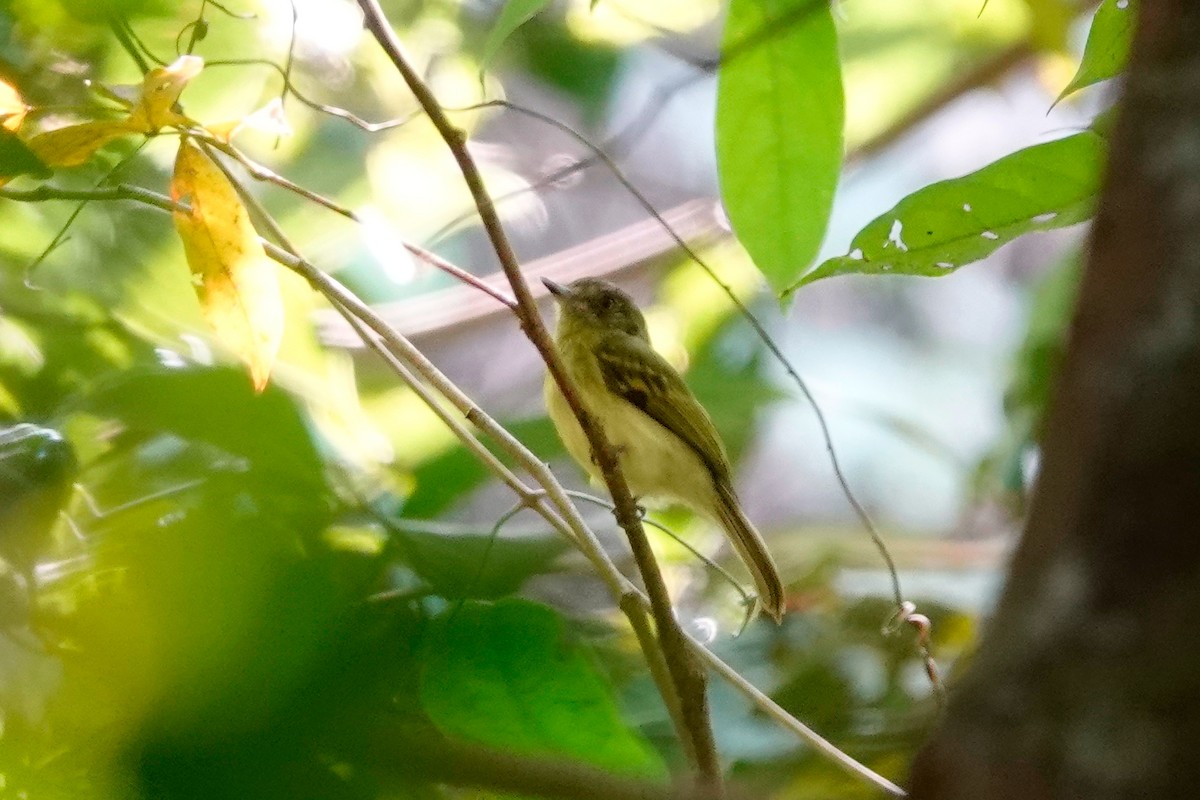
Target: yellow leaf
x,y
12,107
160,91
153,109
235,281
74,144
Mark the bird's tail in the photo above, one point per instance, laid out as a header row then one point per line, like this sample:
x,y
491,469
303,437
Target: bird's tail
x,y
753,551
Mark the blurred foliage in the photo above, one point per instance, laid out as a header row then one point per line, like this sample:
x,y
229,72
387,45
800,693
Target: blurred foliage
x,y
240,594
1005,470
897,55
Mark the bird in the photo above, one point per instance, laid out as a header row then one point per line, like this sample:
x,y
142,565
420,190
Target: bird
x,y
665,441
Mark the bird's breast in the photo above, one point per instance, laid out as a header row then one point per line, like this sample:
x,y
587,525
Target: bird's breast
x,y
656,463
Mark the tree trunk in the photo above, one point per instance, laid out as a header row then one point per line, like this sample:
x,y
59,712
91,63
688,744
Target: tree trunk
x,y
1087,682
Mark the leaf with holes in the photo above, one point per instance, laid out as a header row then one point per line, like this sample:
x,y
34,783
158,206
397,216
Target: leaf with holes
x,y
235,281
507,675
1107,47
949,224
780,112
514,14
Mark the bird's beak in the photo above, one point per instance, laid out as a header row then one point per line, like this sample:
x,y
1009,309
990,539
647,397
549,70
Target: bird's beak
x,y
559,291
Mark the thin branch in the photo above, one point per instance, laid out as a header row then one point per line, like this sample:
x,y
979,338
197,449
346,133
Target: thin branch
x,y
333,111
529,497
141,45
688,678
434,260
122,191
781,716
198,28
291,57
127,44
259,172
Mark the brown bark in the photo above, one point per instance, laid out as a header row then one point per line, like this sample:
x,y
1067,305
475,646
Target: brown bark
x,y
1087,682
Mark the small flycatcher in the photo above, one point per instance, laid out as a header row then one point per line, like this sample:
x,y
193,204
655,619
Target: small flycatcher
x,y
665,440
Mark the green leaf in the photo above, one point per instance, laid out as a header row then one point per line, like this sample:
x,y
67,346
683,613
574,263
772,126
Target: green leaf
x,y
475,565
779,130
17,159
1107,46
949,224
506,675
514,14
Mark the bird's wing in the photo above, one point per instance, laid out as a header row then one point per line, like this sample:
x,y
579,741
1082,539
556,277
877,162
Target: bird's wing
x,y
634,371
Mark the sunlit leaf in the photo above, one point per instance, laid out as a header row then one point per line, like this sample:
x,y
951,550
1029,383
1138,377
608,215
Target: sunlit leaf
x,y
506,675
1107,46
160,91
779,130
514,14
236,283
949,224
16,158
75,144
12,107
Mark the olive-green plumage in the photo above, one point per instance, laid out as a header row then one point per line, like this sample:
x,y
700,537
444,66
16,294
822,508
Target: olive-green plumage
x,y
666,442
